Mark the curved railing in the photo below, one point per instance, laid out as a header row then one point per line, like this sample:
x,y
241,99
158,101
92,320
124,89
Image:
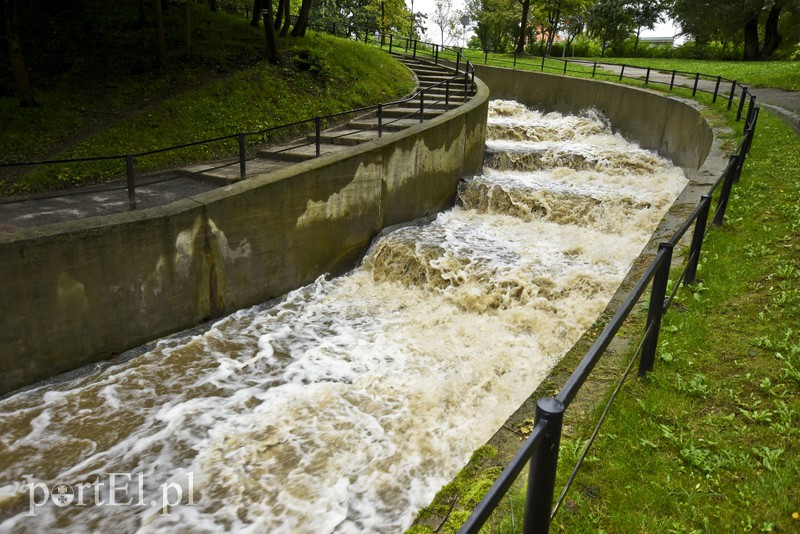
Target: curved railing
x,y
696,81
541,448
462,82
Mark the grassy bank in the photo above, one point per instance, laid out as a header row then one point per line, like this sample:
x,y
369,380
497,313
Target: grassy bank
x,y
225,88
709,441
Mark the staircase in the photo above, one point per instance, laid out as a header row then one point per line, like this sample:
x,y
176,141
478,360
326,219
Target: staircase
x,y
437,93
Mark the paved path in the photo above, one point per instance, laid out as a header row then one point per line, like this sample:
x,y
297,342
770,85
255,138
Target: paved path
x,y
785,103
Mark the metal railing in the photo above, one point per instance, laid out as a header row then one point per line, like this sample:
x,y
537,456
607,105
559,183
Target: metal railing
x,y
459,86
541,448
696,81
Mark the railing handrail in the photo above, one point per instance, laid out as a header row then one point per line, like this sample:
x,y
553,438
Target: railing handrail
x,y
735,85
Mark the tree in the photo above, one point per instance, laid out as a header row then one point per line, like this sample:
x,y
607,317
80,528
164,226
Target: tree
x,y
523,27
610,21
24,92
301,24
495,26
443,18
269,33
737,20
646,14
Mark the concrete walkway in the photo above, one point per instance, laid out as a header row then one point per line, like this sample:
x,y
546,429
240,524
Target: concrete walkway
x,y
166,187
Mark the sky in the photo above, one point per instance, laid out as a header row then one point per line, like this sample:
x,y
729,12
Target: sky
x,y
667,29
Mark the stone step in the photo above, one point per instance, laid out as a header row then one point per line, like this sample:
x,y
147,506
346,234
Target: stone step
x,y
389,124
346,137
298,152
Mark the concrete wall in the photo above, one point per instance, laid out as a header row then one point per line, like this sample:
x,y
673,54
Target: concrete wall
x,y
80,292
669,126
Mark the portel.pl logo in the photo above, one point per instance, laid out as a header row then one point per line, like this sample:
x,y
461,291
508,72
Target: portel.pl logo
x,y
117,489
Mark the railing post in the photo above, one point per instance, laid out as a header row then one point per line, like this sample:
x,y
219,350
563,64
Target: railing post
x,y
730,97
621,71
131,181
466,83
242,169
421,105
542,477
696,81
697,239
565,67
741,104
727,185
594,68
391,39
435,54
447,95
415,49
380,120
318,135
647,77
485,57
656,310
716,89
542,64
749,134
672,81
458,61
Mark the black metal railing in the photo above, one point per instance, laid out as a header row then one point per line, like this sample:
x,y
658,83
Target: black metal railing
x,y
541,448
460,86
696,81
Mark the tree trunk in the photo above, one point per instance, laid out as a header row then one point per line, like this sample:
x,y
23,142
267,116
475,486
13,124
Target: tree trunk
x,y
523,27
269,33
214,5
551,36
301,25
187,27
24,92
636,42
772,39
751,38
258,7
287,18
279,14
161,50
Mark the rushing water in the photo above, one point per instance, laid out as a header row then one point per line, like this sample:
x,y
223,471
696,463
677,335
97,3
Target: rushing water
x,y
346,407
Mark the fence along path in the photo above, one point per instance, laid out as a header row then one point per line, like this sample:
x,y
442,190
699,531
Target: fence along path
x,y
440,88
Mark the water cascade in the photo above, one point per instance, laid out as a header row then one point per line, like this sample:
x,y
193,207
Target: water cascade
x,y
347,405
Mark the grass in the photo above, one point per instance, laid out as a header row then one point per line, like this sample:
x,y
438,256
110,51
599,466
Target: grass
x,y
709,441
227,88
